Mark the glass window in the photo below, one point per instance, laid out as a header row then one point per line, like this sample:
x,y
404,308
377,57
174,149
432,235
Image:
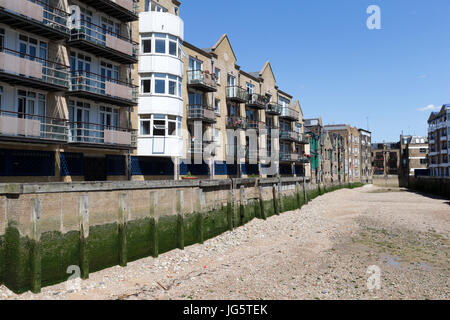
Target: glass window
x,y
173,45
146,86
172,85
159,128
160,83
160,43
147,46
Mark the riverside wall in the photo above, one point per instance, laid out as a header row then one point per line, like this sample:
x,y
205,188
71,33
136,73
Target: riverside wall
x,y
47,229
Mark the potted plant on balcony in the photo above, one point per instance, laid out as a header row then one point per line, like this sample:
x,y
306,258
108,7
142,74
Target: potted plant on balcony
x,y
189,177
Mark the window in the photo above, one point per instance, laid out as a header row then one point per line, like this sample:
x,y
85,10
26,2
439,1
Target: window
x,y
146,85
250,88
152,6
160,43
423,161
147,46
145,124
159,125
30,103
161,83
423,150
217,106
217,74
173,45
172,85
195,65
31,48
109,117
2,39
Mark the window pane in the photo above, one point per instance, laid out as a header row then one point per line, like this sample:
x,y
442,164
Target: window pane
x,y
172,87
160,46
147,46
145,128
146,85
172,48
160,86
172,129
159,128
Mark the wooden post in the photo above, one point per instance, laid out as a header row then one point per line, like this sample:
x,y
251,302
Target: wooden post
x,y
84,236
35,245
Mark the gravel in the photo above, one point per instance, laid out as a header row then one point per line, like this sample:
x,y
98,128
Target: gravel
x,y
322,251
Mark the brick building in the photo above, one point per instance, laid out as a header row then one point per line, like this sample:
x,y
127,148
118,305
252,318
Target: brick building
x,y
439,142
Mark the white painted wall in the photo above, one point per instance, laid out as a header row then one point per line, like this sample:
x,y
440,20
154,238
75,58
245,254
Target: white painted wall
x,y
154,63
161,22
172,146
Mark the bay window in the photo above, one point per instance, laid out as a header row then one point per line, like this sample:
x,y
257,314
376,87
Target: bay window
x,y
161,43
160,125
161,83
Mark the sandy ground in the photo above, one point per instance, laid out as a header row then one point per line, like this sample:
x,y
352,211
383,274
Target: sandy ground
x,y
367,243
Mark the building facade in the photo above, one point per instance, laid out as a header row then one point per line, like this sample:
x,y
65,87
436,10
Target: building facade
x,y
365,154
439,142
414,155
386,158
66,90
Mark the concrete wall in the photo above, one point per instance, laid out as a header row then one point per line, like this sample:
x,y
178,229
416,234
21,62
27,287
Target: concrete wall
x,y
45,228
386,181
439,186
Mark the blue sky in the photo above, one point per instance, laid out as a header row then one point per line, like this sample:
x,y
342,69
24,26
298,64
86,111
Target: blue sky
x,y
324,55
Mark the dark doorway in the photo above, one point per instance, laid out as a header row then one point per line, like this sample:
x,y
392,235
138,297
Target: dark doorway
x,y
94,168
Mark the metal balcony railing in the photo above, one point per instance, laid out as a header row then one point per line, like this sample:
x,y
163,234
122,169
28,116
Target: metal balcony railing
x,y
236,123
202,80
201,112
92,133
256,100
124,10
35,68
236,94
88,31
38,11
16,124
94,83
289,113
273,108
288,156
288,135
257,125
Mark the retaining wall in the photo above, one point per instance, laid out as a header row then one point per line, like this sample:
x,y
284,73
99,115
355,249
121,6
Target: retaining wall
x,y
439,186
45,228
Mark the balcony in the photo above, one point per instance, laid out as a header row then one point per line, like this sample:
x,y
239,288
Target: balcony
x,y
302,139
236,123
23,127
201,113
124,10
256,101
202,80
99,88
101,42
273,108
303,159
206,146
289,114
288,135
18,68
236,94
35,17
256,125
288,156
101,136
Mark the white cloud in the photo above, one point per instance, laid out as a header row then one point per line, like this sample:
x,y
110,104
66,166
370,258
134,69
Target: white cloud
x,y
430,107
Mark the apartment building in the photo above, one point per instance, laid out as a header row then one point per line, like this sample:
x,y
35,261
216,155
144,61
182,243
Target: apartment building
x,y
239,123
314,130
439,142
386,158
66,91
352,138
365,154
161,70
414,155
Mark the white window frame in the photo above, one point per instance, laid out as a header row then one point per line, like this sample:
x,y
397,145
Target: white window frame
x,y
151,118
168,38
